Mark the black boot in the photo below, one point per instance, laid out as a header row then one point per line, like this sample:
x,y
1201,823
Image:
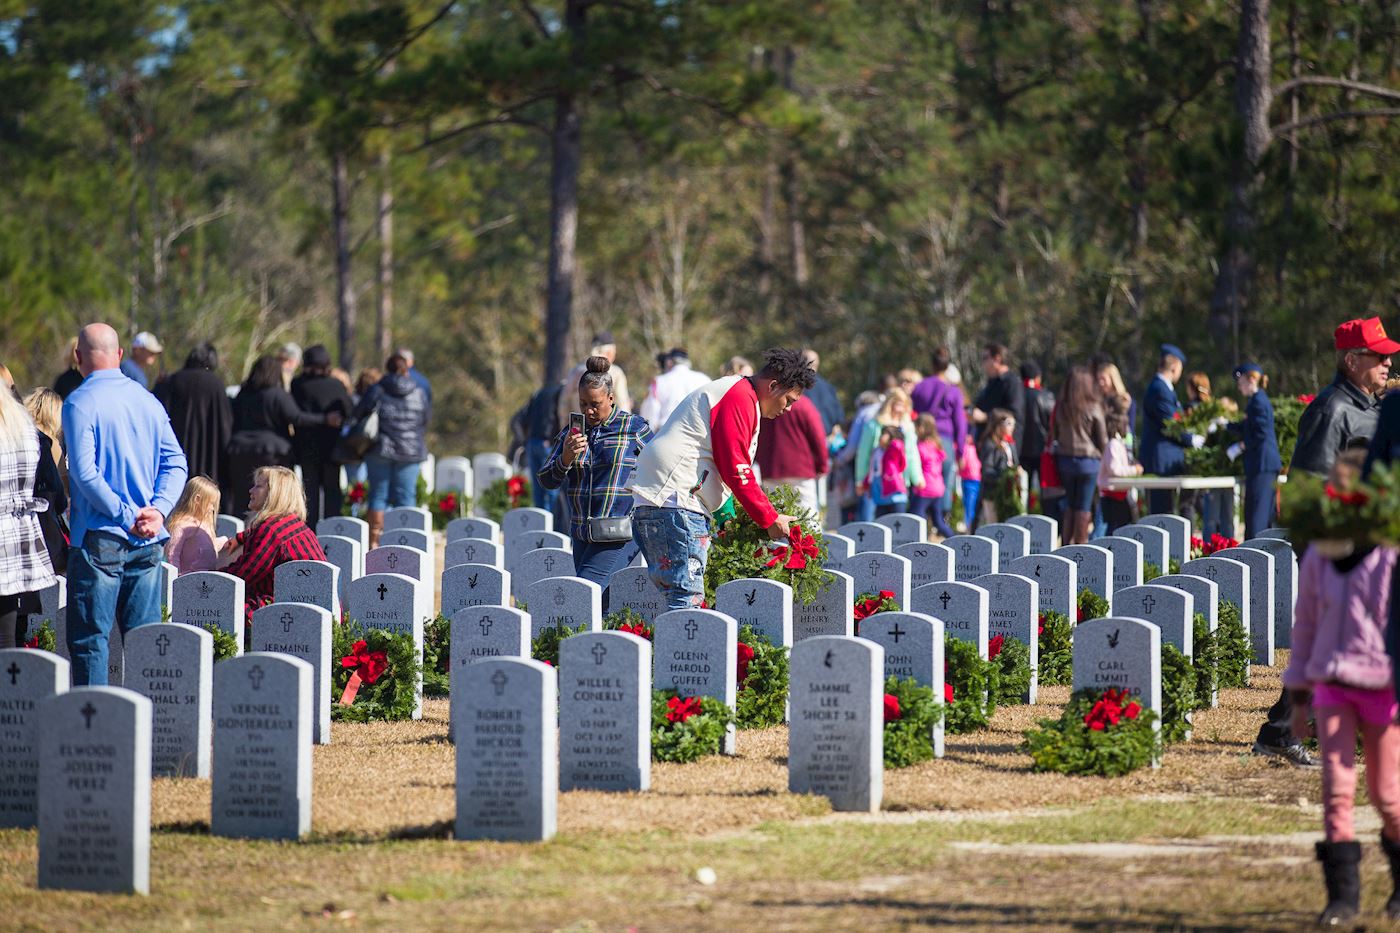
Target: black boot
x,y
1341,869
1392,852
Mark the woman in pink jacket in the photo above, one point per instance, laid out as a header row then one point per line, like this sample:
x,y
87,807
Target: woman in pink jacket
x,y
1339,665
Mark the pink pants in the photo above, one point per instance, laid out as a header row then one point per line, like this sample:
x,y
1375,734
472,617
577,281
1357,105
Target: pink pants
x,y
1337,725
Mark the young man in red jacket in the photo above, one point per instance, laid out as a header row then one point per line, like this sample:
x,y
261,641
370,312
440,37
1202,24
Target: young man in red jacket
x,y
702,455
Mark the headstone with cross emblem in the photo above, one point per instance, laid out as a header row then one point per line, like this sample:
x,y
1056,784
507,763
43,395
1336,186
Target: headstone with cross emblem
x,y
1169,608
418,540
525,520
905,527
1127,561
479,529
836,741
474,585
913,644
1013,611
838,548
1260,620
1232,579
537,565
173,666
226,526
632,588
522,544
1205,594
763,605
262,747
1093,568
396,603
95,808
1178,531
302,631
1013,541
928,562
472,551
961,607
1156,544
391,558
973,556
348,557
506,724
1120,654
488,632
27,679
1056,580
831,613
53,608
868,536
308,581
605,725
695,653
1045,531
1285,585
408,516
208,597
877,572
345,526
564,602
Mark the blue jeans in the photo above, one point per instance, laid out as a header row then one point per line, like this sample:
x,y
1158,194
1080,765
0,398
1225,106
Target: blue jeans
x,y
971,493
391,484
536,455
109,581
950,473
598,561
676,544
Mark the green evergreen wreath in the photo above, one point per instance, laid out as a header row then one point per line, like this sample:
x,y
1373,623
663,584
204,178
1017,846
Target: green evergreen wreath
x,y
975,684
1091,606
1232,669
545,646
1101,733
392,697
1205,658
761,699
1013,661
1056,649
741,550
437,656
687,728
225,645
1178,694
909,722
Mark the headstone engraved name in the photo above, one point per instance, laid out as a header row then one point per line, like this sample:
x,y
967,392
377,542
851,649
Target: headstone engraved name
x,y
302,631
836,745
27,679
1013,541
1056,580
831,613
1045,531
564,602
95,799
879,572
472,551
1285,585
173,666
473,585
262,747
763,605
395,603
1261,599
605,716
1093,568
316,582
695,653
1232,580
961,607
210,597
1155,541
1178,531
1127,560
631,588
928,562
1122,654
913,644
539,564
1167,607
973,556
1013,611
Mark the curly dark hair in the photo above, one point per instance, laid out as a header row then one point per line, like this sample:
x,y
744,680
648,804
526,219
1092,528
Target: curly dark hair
x,y
788,368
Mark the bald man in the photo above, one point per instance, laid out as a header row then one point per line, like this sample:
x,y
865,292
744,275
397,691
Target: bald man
x,y
125,471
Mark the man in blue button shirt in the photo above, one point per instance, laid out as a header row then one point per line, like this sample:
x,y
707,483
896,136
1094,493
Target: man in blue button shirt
x,y
125,471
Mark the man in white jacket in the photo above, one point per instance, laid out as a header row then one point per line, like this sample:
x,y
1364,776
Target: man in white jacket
x,y
702,454
670,388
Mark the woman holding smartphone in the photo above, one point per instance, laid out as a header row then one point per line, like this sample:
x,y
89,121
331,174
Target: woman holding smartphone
x,y
592,461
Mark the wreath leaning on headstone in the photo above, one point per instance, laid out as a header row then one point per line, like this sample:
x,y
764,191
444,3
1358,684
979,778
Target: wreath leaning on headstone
x,y
437,656
686,728
374,674
1232,647
911,712
43,638
545,646
741,550
1104,733
1178,694
225,645
1013,661
869,604
762,675
503,495
1056,649
1205,658
970,686
1091,606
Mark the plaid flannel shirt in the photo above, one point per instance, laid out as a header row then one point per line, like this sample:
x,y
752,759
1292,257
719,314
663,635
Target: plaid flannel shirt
x,y
274,541
596,484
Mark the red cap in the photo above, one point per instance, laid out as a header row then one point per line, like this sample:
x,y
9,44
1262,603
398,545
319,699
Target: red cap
x,y
1368,334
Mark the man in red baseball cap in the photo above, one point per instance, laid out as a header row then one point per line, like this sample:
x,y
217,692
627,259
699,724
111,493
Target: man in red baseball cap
x,y
1345,413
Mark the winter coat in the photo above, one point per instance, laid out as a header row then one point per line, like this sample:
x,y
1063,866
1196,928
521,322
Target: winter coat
x,y
1339,622
403,418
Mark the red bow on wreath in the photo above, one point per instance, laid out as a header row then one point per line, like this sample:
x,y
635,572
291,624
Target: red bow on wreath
x,y
741,666
1346,498
795,554
515,487
448,504
679,710
370,665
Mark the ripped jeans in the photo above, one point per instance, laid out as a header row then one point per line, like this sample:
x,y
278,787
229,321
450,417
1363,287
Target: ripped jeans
x,y
676,544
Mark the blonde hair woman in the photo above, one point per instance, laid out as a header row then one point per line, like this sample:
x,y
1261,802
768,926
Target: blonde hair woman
x,y
1111,386
895,412
25,567
45,406
276,533
193,545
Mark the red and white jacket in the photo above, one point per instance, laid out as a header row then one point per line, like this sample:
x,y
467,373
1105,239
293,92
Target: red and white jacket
x,y
704,452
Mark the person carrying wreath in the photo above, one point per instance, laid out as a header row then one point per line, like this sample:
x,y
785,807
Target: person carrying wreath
x,y
594,468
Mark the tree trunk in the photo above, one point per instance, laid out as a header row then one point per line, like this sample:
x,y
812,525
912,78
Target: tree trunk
x,y
566,156
1253,69
791,186
384,333
344,287
1138,169
1290,188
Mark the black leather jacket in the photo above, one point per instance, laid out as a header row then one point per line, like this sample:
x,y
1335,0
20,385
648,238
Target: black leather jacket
x,y
403,418
1341,416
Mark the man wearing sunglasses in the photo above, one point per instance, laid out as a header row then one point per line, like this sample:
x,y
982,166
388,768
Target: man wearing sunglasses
x,y
1346,412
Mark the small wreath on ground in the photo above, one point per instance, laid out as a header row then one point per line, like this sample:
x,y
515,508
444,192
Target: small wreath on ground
x,y
503,495
1091,606
445,506
1056,649
43,637
868,604
1205,658
742,550
1232,668
761,675
1104,733
1178,694
629,621
437,656
225,645
971,686
911,712
384,668
686,728
356,499
1013,661
545,646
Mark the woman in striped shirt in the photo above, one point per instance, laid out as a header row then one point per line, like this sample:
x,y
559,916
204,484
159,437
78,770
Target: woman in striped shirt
x,y
276,534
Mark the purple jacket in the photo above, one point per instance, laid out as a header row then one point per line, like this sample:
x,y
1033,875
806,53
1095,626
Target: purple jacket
x,y
945,403
1339,623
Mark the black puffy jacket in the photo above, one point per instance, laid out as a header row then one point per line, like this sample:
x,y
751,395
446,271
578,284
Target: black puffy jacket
x,y
403,418
1341,416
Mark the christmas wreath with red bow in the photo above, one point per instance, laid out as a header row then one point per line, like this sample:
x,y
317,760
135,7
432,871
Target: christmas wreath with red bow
x,y
629,621
1343,514
445,506
741,550
911,712
687,728
867,604
502,496
374,674
43,638
761,674
1100,732
972,686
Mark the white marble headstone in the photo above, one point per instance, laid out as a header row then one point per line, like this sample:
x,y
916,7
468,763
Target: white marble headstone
x,y
172,665
301,630
695,652
28,678
605,721
763,605
836,741
831,613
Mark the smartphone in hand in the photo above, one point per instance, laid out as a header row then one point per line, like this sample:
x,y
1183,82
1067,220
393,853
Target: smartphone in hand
x,y
576,423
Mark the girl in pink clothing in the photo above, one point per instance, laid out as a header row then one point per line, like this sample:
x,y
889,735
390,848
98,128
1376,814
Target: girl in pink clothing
x,y
929,501
1339,665
971,476
193,545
